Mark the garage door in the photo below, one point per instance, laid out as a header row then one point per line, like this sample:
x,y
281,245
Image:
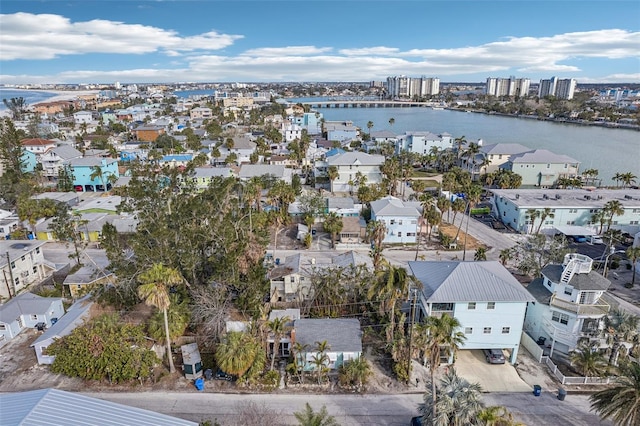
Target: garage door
x,y
472,365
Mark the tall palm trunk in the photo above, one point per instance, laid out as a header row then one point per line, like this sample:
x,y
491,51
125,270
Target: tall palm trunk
x,y
172,368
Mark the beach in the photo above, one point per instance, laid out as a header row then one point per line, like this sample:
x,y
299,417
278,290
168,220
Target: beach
x,y
39,96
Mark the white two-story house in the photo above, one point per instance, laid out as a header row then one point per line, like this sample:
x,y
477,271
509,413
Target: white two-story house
x,y
568,306
21,265
401,218
28,310
348,165
487,300
422,142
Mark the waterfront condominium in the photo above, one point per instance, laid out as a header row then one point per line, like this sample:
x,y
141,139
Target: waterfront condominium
x,y
409,87
507,86
561,89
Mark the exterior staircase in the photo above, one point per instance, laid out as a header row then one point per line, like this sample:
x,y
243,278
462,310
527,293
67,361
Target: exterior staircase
x,y
569,270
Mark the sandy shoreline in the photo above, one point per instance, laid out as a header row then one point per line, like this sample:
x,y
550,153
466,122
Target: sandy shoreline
x,y
65,95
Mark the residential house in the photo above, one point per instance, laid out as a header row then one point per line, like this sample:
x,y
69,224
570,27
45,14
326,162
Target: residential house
x,y
75,316
490,157
81,282
542,168
84,168
148,133
309,121
568,206
401,218
343,206
201,113
343,337
21,265
82,117
28,310
8,224
423,143
341,131
58,407
243,147
287,340
379,138
291,280
353,231
38,146
487,300
291,132
29,161
237,102
247,171
203,176
69,198
348,165
175,160
55,159
569,307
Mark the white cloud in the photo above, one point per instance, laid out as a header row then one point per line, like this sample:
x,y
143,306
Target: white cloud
x,y
377,51
287,51
29,36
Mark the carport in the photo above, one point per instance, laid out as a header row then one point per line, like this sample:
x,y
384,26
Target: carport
x,y
472,365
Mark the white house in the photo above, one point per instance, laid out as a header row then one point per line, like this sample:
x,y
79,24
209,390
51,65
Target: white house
x,y
243,147
200,113
77,314
487,300
348,165
54,159
569,207
568,306
423,142
291,132
247,171
21,265
343,335
491,157
81,117
542,168
28,310
401,218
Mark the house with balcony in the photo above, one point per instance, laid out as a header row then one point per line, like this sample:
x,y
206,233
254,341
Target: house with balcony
x,y
348,164
21,265
569,307
54,159
401,218
341,131
38,146
542,168
487,300
200,113
423,142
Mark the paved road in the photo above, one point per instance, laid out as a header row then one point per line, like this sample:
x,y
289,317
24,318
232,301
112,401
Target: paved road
x,y
353,409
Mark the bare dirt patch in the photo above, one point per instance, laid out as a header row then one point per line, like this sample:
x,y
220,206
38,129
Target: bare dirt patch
x,y
451,231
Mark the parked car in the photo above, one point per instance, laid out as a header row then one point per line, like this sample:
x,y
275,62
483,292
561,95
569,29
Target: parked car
x,y
416,421
595,239
494,356
578,238
221,375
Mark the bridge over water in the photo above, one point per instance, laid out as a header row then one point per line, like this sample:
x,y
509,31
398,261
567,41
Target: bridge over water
x,y
370,104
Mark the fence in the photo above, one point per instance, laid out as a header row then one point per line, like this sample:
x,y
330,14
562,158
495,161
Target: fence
x,y
529,344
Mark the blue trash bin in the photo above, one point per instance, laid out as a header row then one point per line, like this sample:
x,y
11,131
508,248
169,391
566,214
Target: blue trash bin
x,y
199,383
537,390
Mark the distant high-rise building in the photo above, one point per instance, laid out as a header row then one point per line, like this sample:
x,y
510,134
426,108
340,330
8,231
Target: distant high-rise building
x,y
507,86
409,87
117,85
561,89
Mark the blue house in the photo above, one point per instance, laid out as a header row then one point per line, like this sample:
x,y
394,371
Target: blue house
x,y
83,168
29,162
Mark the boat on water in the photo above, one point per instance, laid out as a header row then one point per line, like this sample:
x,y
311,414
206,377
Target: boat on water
x,y
437,108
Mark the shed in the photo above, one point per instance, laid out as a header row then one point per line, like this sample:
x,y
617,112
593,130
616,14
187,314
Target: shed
x,y
191,361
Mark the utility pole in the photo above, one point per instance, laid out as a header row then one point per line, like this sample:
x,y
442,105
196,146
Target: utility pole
x,y
13,283
413,307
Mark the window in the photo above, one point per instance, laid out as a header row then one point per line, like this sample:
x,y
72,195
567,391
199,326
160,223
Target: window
x,y
400,222
3,327
13,265
38,250
399,234
561,318
486,330
22,258
34,317
471,306
506,330
468,330
568,290
491,305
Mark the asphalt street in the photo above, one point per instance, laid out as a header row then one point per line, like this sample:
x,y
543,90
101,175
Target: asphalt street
x,y
353,409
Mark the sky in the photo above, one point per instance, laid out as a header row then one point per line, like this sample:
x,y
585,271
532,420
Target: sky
x,y
104,41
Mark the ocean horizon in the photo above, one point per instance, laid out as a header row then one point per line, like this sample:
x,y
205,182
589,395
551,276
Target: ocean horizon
x,y
30,96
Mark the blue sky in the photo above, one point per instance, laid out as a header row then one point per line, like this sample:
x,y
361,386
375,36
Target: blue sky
x,y
257,41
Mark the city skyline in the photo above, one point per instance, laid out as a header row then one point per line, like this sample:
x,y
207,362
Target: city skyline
x,y
251,41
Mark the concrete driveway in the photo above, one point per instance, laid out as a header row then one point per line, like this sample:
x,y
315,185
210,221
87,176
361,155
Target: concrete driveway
x,y
472,365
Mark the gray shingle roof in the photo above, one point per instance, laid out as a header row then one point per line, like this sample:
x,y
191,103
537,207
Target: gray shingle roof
x,y
74,317
451,282
25,304
342,334
590,281
53,407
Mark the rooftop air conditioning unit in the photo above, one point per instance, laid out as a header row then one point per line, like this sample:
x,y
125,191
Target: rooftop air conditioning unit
x,y
545,197
587,197
599,197
517,196
628,197
558,196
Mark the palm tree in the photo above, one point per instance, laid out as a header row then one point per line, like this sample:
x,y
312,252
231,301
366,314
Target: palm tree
x,y
588,360
613,208
532,214
300,358
473,196
333,225
391,284
505,256
320,360
544,214
620,327
17,106
442,333
376,232
310,418
96,172
369,126
621,403
457,402
237,352
633,254
496,415
459,143
333,174
278,327
153,289
480,254
617,178
628,179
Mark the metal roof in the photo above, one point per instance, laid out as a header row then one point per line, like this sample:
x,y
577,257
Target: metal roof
x,y
342,334
451,282
542,156
392,206
53,407
355,157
